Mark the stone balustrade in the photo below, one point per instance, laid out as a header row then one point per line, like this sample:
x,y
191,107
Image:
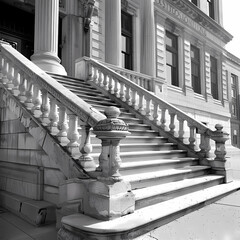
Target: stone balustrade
x,y
186,130
140,79
67,118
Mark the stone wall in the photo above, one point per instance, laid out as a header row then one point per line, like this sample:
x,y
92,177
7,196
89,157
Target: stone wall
x,y
25,169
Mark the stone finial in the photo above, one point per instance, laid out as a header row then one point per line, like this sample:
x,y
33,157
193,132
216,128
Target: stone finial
x,y
111,123
110,130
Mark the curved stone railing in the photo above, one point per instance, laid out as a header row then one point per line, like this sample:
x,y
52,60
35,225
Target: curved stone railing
x,y
52,105
166,117
145,81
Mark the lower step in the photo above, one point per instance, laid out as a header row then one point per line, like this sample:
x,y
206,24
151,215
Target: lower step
x,y
145,219
142,180
160,193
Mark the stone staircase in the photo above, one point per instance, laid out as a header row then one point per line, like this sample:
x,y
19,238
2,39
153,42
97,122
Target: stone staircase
x,y
158,171
168,177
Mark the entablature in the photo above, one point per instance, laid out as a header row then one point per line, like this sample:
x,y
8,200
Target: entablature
x,y
194,18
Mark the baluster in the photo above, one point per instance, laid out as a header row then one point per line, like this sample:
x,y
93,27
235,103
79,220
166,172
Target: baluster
x,y
140,105
10,76
137,80
172,125
95,74
181,129
133,78
155,113
141,83
128,96
62,126
90,72
85,148
121,91
100,78
110,89
204,145
53,117
116,89
45,108
16,82
105,82
192,137
109,159
22,88
73,135
163,119
29,94
220,164
5,71
37,102
148,109
134,95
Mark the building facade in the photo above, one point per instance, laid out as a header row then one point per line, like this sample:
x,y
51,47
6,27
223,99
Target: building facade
x,y
175,49
179,44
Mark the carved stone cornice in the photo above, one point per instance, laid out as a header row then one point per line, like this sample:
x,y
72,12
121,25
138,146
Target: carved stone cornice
x,y
194,17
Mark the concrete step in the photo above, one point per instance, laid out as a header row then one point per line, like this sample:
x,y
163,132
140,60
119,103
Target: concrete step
x,y
131,120
144,139
152,155
137,126
163,192
149,166
141,180
136,132
140,147
148,218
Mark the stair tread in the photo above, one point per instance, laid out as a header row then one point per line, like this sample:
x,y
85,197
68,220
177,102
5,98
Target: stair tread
x,y
173,186
155,162
163,173
151,152
150,214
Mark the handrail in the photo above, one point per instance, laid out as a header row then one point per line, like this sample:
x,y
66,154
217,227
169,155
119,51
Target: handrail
x,y
161,114
44,81
140,79
108,71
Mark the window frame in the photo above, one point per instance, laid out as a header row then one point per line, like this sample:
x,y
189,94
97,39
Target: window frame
x,y
214,81
196,85
234,99
127,56
175,52
211,8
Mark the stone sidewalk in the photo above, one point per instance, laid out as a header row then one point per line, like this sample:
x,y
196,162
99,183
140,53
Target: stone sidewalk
x,y
217,221
15,228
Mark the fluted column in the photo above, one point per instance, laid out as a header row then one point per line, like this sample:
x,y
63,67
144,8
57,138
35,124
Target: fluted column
x,y
113,32
148,48
46,36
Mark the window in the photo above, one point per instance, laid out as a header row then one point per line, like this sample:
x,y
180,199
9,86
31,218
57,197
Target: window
x,y
195,67
234,95
211,8
127,35
172,58
214,77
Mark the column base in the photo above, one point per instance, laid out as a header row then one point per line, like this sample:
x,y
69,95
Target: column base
x,y
48,62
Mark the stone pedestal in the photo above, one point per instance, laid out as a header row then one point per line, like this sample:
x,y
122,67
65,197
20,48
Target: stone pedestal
x,y
46,37
220,165
109,201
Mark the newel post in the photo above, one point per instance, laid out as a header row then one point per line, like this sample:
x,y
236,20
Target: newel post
x,y
110,196
220,164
